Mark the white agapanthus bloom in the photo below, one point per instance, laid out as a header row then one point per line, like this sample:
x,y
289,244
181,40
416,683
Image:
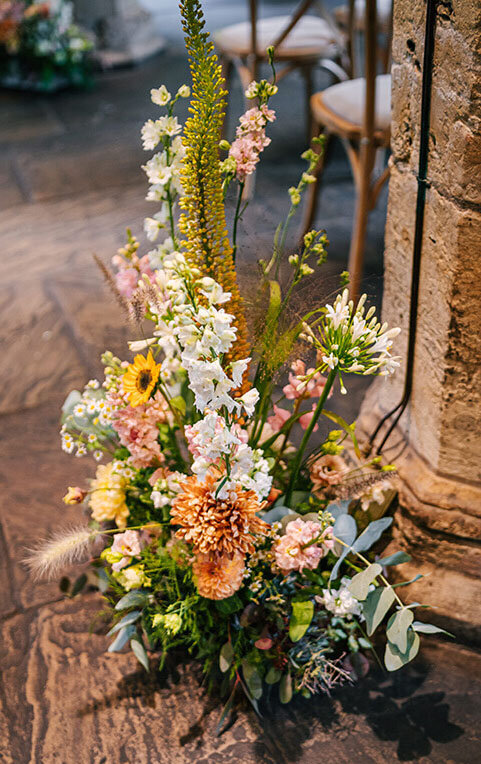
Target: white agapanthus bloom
x,y
349,340
160,96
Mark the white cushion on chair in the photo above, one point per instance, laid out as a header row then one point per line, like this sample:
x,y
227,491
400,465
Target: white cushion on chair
x,y
347,100
383,8
310,33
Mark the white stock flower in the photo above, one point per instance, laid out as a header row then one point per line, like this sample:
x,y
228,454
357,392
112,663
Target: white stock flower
x,y
151,134
139,345
249,400
340,601
157,170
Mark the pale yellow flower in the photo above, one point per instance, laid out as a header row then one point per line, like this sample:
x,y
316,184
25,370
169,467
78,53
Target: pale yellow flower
x,y
107,498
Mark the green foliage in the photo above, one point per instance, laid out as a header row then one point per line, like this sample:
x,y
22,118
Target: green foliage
x,y
376,606
397,628
394,659
302,614
139,651
360,583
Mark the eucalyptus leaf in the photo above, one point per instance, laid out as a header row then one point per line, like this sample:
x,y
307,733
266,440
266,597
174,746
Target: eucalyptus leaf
x,y
64,584
139,651
338,508
276,514
122,638
406,583
79,584
132,599
273,675
103,582
376,606
289,519
371,534
252,679
360,583
225,657
344,529
285,688
70,402
394,659
394,559
301,617
397,628
125,621
429,628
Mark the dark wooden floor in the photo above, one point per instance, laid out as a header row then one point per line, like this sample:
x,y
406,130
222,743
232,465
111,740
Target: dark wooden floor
x,y
69,185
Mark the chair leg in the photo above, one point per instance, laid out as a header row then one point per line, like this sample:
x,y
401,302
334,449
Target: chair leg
x,y
308,80
226,68
363,204
313,190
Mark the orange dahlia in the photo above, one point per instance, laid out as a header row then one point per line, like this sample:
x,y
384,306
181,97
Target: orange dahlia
x,y
217,526
218,577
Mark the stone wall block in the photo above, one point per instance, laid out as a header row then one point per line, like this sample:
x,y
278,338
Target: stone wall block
x,y
455,145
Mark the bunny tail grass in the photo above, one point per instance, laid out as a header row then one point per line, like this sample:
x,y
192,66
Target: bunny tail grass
x,y
65,548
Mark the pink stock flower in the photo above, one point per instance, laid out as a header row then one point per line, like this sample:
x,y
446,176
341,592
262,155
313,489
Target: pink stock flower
x,y
137,430
129,544
279,418
250,140
289,552
129,273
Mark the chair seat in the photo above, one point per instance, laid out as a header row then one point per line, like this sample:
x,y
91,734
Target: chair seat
x,y
383,7
311,37
342,106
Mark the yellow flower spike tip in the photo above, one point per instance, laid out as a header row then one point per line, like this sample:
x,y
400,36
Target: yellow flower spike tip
x,y
203,222
140,379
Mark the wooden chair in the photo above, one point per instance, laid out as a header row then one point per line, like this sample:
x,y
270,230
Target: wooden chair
x,y
300,42
358,111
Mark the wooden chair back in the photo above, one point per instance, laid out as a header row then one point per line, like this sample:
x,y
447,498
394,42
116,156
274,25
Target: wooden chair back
x,y
355,27
299,12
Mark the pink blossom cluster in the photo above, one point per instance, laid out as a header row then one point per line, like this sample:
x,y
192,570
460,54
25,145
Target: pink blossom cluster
x,y
251,140
129,272
129,544
289,552
303,384
137,430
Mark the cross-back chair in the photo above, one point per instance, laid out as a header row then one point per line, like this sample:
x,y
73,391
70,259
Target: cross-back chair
x,y
357,110
300,41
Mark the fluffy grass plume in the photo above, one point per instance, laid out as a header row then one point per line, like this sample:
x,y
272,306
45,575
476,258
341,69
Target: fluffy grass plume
x,y
65,548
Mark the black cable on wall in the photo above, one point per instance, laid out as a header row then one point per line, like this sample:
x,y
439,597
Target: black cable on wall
x,y
428,57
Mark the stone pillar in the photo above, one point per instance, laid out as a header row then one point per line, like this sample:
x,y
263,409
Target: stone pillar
x,y
438,444
123,30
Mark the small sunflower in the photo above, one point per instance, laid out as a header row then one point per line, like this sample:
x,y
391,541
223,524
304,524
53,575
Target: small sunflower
x,y
140,379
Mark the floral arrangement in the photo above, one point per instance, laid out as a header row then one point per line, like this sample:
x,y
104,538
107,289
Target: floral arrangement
x,y
40,46
209,529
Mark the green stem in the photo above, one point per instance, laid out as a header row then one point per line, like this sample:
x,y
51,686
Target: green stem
x,y
286,436
300,454
236,220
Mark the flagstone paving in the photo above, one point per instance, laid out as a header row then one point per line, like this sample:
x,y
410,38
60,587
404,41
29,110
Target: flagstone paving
x,y
70,183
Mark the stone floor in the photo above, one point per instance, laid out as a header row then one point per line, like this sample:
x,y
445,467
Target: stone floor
x,y
70,183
